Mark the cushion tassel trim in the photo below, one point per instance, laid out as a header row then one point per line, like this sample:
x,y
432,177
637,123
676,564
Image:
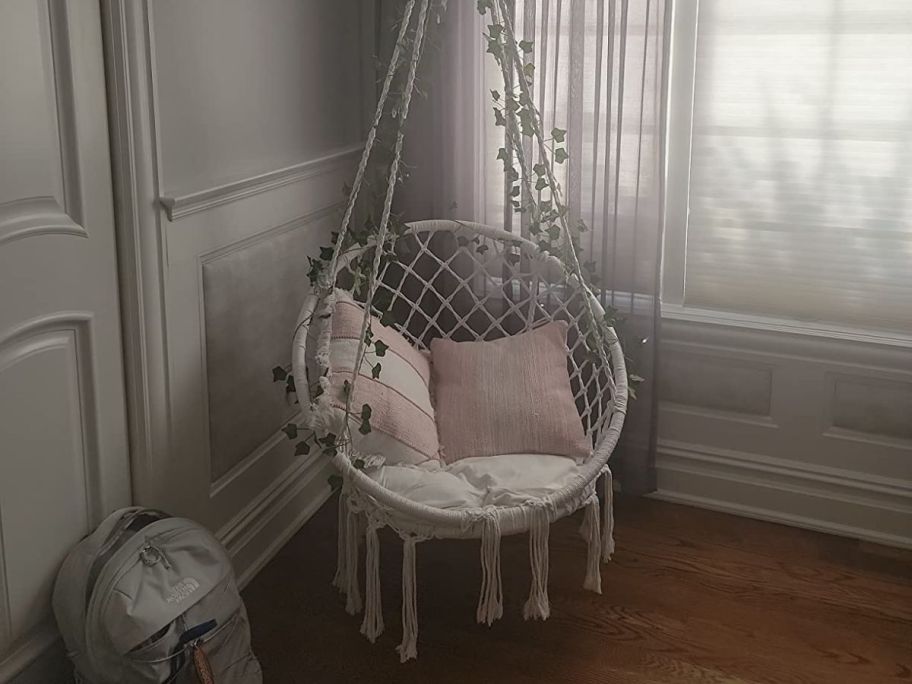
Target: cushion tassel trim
x,y
537,606
593,581
372,626
608,521
408,649
490,599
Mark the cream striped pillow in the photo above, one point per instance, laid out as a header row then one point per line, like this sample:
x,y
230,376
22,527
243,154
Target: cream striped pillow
x,y
403,427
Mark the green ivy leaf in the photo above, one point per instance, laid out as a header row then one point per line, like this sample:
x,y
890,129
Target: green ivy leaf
x,y
279,374
541,184
375,370
291,431
526,46
388,317
326,253
346,388
558,134
335,482
302,448
560,155
380,348
365,427
495,96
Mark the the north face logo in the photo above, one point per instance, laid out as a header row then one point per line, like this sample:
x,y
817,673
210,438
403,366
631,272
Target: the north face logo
x,y
182,590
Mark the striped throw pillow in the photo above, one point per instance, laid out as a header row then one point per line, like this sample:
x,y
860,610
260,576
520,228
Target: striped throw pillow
x,y
403,429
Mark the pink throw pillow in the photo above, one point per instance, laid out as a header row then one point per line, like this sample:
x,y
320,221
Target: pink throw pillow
x,y
507,396
402,420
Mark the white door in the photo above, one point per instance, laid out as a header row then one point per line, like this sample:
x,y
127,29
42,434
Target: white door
x,y
63,443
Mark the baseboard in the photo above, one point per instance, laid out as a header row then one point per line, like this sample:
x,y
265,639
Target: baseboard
x,y
257,532
804,495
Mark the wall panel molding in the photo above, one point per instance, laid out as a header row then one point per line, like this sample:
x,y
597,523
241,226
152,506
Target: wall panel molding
x,y
824,499
36,216
834,453
179,205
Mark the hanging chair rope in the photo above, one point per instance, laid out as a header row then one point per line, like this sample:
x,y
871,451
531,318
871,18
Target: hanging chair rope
x,y
327,285
383,228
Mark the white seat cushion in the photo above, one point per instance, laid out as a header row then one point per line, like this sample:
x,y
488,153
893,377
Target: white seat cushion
x,y
503,480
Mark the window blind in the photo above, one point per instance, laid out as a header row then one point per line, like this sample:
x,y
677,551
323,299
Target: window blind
x,y
800,198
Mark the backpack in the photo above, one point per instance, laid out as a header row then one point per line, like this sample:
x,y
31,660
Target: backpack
x,y
149,598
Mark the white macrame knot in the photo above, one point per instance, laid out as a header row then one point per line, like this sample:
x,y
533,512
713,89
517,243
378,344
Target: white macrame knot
x,y
590,531
340,579
372,626
537,606
408,649
490,599
352,542
608,513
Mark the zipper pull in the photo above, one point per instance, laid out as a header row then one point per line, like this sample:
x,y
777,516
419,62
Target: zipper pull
x,y
150,554
201,664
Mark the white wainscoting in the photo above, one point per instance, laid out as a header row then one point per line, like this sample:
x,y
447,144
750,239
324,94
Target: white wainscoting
x,y
807,427
187,236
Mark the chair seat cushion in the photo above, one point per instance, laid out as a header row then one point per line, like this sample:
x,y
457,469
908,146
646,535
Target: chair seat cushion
x,y
503,480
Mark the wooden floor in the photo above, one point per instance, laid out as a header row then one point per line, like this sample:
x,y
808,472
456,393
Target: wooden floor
x,y
691,596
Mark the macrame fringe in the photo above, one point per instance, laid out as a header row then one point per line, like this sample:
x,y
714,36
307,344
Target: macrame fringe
x,y
608,521
408,649
340,579
352,588
372,626
490,599
537,606
593,581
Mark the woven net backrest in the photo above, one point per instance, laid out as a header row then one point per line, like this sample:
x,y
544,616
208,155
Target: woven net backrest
x,y
468,282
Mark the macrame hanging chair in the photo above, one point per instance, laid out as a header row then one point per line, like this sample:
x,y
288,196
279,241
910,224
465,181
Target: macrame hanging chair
x,y
464,281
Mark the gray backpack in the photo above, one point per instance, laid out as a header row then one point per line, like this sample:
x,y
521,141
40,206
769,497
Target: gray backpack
x,y
148,598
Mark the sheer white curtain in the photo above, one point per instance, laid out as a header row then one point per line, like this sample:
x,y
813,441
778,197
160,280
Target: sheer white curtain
x,y
598,75
801,162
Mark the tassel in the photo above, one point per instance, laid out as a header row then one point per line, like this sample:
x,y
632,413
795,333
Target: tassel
x,y
372,626
352,588
490,599
408,649
340,578
537,606
593,581
608,521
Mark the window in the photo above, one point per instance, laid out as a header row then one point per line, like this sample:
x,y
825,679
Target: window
x,y
790,160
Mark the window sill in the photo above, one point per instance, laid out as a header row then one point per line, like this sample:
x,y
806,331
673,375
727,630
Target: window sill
x,y
689,314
